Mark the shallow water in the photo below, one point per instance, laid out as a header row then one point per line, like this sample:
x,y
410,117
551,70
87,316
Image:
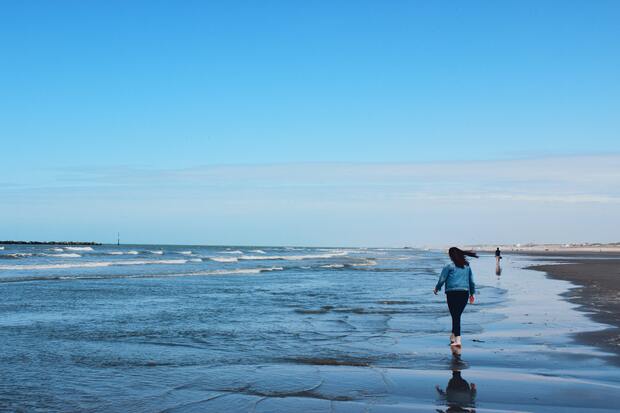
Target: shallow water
x,y
185,328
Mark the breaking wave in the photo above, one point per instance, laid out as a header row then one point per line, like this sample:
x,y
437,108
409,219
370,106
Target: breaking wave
x,y
224,259
15,255
292,257
92,264
237,271
332,266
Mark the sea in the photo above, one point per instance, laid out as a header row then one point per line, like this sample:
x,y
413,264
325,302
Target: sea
x,y
171,328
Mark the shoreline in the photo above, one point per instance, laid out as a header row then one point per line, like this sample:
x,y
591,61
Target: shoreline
x,y
596,292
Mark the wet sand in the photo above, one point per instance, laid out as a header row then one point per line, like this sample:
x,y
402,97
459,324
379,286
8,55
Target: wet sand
x,y
598,293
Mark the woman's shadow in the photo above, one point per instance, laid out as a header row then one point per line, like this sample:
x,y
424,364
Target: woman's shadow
x,y
459,395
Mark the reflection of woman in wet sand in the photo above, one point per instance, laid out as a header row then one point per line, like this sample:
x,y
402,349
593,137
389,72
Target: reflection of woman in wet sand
x,y
460,287
459,394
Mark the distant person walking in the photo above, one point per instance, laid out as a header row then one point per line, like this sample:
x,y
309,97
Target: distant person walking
x,y
460,287
498,257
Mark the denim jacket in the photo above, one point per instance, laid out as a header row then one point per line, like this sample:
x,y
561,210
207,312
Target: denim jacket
x,y
457,279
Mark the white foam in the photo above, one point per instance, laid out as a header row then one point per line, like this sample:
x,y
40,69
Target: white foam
x,y
65,255
56,249
332,266
258,251
132,253
54,266
185,252
224,259
195,259
292,257
1,248
91,264
231,252
18,254
115,253
157,252
368,263
237,271
79,248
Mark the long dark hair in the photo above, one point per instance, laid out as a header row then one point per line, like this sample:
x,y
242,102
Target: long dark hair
x,y
457,256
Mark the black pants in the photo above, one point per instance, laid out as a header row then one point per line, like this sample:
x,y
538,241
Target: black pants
x,y
457,300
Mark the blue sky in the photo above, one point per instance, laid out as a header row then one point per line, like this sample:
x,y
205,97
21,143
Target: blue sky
x,y
123,115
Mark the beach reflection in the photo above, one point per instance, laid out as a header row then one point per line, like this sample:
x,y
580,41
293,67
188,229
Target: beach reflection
x,y
459,395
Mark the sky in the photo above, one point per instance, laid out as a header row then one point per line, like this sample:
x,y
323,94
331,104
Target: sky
x,y
358,123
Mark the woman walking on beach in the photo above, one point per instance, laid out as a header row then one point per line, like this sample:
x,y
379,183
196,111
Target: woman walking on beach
x,y
460,287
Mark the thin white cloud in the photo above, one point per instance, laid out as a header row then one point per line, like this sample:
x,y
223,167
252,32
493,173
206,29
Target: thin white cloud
x,y
586,179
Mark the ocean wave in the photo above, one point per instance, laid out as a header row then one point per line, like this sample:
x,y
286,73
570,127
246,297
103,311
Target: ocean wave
x,y
237,271
224,259
64,255
115,253
332,266
92,264
292,257
258,251
1,248
132,253
79,248
356,251
56,249
15,255
322,310
230,252
157,252
185,252
368,263
398,258
195,259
